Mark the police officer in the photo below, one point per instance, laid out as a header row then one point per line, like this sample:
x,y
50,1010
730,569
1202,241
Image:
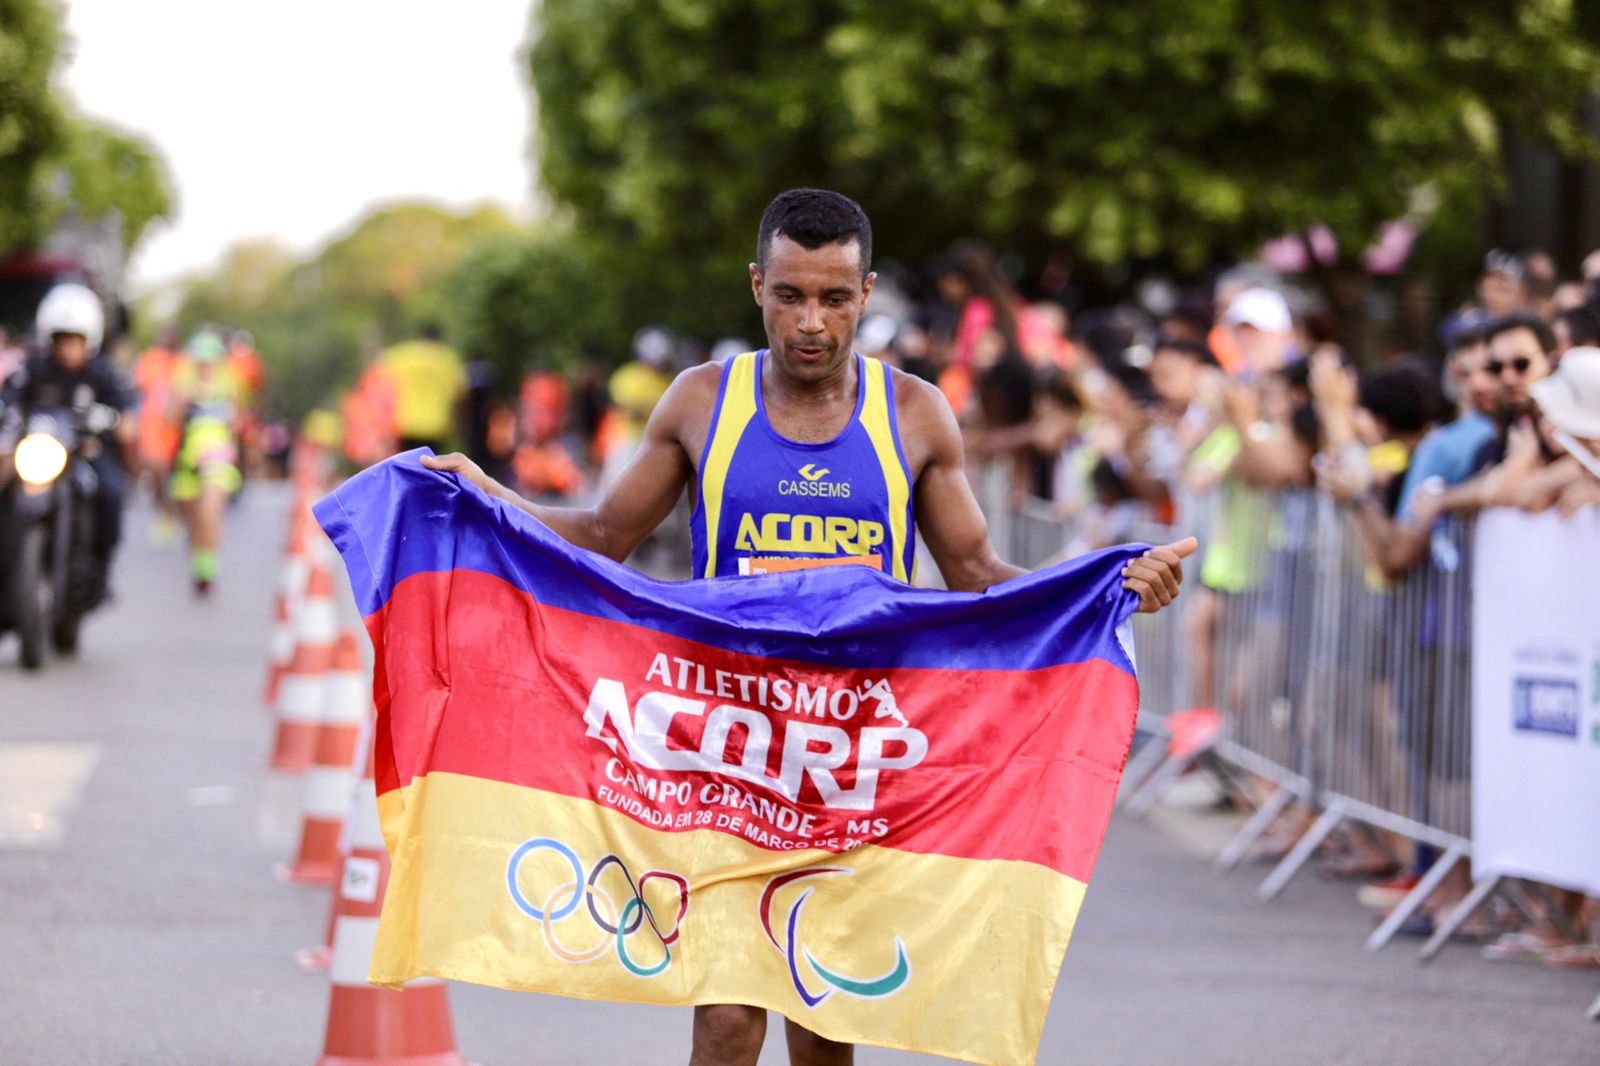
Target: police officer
x,y
73,373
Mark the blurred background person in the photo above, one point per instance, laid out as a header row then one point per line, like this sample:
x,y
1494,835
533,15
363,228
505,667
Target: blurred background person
x,y
159,433
12,354
247,370
634,390
544,458
1393,536
429,379
371,419
1262,330
1521,352
206,474
1574,327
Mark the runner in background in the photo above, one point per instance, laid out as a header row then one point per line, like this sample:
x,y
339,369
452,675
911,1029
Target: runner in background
x,y
430,380
636,388
205,398
543,465
158,431
369,417
245,366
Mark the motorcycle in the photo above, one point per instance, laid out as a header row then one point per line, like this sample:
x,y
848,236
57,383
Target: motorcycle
x,y
47,491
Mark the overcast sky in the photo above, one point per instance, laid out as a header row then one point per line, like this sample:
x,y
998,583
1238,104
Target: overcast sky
x,y
291,117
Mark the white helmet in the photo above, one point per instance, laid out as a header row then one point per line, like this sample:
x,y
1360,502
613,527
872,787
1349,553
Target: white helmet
x,y
71,308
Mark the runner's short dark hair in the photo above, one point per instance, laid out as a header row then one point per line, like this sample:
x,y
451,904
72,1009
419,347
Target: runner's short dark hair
x,y
1525,320
813,218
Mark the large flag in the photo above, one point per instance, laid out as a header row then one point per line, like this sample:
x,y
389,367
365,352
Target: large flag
x,y
869,807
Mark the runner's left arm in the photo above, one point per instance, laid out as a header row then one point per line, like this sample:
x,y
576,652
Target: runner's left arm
x,y
952,523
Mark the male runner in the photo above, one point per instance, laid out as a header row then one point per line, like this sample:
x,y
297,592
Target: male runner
x,y
804,454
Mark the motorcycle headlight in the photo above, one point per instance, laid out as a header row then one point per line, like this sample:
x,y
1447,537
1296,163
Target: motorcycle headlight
x,y
40,458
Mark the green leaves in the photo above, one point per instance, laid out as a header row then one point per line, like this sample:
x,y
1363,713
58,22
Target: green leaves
x,y
316,319
111,170
31,118
1164,127
52,160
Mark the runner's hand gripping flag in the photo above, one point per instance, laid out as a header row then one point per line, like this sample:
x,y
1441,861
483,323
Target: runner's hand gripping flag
x,y
869,807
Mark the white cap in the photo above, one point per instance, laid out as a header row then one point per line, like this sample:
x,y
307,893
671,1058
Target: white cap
x,y
1264,309
876,333
1569,399
728,348
653,345
71,308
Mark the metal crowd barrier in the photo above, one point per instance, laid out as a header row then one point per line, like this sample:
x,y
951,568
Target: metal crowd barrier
x,y
1166,685
1037,535
1337,689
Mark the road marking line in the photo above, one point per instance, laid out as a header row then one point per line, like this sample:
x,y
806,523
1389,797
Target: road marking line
x,y
211,795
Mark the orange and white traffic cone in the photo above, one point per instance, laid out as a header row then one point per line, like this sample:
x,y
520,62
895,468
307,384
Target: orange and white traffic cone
x,y
301,693
331,777
297,556
370,1026
319,958
281,650
306,465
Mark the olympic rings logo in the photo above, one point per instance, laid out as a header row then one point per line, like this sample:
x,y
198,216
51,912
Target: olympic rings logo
x,y
792,950
616,927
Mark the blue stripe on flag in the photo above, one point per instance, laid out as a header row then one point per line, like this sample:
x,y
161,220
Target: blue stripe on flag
x,y
846,616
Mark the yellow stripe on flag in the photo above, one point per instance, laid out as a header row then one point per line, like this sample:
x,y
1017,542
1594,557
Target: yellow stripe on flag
x,y
510,886
391,813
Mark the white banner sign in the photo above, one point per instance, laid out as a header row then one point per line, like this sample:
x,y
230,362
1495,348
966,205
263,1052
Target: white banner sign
x,y
1536,698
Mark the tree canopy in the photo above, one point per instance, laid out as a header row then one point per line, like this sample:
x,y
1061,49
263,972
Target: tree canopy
x,y
53,160
31,118
107,170
315,318
1168,129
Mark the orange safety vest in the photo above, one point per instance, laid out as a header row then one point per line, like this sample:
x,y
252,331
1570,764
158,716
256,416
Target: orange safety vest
x,y
159,435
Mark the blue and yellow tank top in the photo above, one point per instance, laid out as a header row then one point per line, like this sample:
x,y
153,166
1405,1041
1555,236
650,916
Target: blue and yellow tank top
x,y
767,503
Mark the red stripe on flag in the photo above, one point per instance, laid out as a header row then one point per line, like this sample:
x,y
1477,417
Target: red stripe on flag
x,y
475,677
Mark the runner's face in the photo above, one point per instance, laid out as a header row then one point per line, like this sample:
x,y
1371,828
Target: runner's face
x,y
811,300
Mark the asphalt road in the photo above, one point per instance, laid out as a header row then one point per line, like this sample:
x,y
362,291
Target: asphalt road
x,y
139,921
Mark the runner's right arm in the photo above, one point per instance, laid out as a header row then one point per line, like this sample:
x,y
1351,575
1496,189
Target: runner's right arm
x,y
642,496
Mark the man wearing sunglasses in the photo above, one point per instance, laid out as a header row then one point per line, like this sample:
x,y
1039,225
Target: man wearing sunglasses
x,y
1522,350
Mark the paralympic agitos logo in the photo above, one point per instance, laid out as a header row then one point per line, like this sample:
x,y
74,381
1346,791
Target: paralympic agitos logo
x,y
793,950
780,911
